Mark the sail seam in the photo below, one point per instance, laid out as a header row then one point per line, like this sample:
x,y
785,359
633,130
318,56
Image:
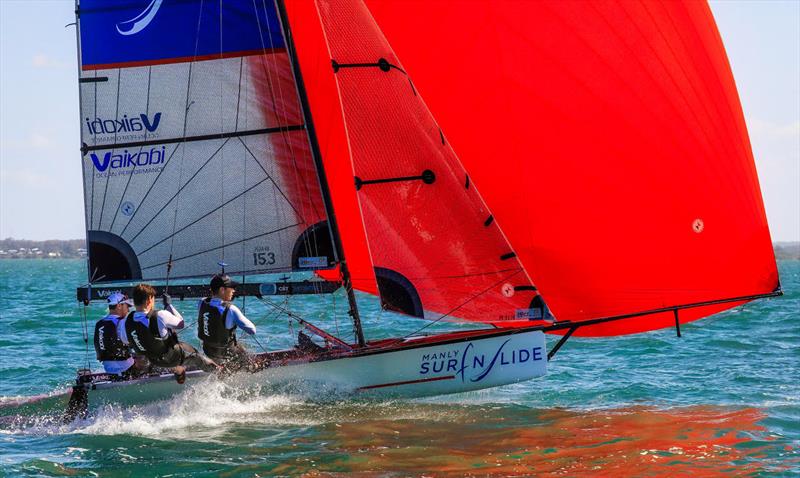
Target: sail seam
x,y
105,190
179,191
147,194
225,245
130,177
296,212
206,215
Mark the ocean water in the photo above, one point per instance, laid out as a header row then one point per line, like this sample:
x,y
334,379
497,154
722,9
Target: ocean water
x,y
723,399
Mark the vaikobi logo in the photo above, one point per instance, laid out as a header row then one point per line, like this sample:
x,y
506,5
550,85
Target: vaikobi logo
x,y
124,125
128,159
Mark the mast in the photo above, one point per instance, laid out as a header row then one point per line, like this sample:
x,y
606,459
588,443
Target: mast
x,y
323,182
89,274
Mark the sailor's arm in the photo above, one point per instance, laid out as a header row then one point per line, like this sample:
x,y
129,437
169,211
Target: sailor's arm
x,y
123,336
171,318
240,320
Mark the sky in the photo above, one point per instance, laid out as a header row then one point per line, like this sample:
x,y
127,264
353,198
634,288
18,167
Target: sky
x,y
41,195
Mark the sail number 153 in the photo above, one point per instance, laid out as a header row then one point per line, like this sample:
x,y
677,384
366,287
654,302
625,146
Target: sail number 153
x,y
263,258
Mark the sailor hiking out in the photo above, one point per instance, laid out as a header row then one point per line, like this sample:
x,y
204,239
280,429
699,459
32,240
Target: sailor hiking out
x,y
110,348
152,333
217,320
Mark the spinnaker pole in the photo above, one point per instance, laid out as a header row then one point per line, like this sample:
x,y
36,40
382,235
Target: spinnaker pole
x,y
323,181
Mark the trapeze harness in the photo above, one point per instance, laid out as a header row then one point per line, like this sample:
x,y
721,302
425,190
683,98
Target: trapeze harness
x,y
217,340
146,340
107,344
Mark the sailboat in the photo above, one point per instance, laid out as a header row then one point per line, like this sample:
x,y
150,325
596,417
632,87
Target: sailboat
x,y
288,137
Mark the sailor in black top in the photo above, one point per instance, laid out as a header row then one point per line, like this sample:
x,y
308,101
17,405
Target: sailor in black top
x,y
110,349
152,333
217,320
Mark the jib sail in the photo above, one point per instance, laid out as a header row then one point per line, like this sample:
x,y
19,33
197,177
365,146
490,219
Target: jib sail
x,y
436,249
195,148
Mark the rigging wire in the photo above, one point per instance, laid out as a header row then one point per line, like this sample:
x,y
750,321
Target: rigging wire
x,y
221,178
263,349
244,168
85,321
335,316
188,104
280,308
310,202
84,313
454,309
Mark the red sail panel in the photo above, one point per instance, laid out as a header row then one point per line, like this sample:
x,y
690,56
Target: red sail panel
x,y
434,245
609,141
278,102
326,111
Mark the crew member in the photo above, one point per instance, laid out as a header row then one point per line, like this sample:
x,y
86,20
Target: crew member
x,y
110,349
152,333
217,320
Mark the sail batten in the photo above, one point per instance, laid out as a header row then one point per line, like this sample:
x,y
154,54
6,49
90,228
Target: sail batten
x,y
188,139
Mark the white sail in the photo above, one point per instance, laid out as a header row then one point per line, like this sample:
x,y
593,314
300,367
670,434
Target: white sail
x,y
194,142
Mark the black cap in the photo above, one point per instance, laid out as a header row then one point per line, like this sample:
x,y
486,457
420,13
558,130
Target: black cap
x,y
222,280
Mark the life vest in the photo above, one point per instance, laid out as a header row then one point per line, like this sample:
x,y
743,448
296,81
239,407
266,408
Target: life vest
x,y
145,339
211,328
107,343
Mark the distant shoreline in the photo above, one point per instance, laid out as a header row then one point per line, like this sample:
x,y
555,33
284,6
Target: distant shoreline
x,y
50,249
76,248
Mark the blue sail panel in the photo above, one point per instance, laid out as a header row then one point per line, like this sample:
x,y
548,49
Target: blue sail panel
x,y
150,32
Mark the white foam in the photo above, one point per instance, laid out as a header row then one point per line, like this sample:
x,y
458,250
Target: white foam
x,y
208,410
200,412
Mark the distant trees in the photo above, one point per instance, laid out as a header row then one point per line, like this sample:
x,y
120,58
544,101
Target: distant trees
x,y
53,248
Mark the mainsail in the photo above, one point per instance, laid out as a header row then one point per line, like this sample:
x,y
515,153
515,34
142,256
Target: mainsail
x,y
435,247
608,140
195,148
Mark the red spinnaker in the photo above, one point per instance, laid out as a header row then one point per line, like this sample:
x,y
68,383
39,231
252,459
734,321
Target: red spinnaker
x,y
607,139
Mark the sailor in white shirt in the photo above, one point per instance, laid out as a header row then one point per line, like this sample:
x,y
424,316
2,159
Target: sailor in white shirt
x,y
110,349
217,320
152,333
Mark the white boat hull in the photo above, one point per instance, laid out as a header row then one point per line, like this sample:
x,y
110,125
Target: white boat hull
x,y
414,367
426,370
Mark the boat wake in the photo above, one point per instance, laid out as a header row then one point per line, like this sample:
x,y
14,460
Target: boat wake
x,y
207,410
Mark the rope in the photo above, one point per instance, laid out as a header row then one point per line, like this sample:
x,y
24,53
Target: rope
x,y
288,313
457,307
263,349
183,149
85,333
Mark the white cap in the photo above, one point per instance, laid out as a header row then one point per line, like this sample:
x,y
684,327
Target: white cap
x,y
119,298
